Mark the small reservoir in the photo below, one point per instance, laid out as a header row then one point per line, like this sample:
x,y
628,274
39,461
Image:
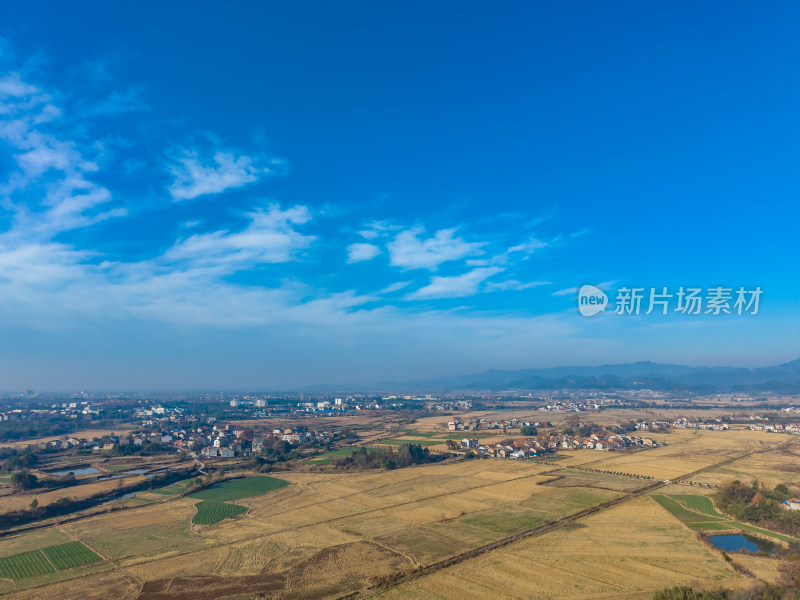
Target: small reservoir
x,y
80,471
737,542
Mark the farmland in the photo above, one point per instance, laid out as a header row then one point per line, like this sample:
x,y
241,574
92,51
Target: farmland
x,y
210,512
697,512
69,555
331,532
246,487
39,562
26,564
643,549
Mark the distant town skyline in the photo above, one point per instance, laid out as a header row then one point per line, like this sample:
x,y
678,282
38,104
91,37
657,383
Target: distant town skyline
x,y
267,196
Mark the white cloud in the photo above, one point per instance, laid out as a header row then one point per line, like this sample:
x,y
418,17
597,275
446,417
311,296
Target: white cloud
x,y
456,286
362,252
196,176
12,85
51,191
513,284
394,287
271,237
528,247
410,252
377,229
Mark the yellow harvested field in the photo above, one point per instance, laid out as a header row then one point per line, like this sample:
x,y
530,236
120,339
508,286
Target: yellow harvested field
x,y
685,451
97,586
766,569
628,551
781,465
21,501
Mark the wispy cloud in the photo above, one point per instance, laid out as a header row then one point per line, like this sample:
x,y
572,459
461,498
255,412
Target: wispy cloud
x,y
513,284
196,175
395,287
574,290
361,252
270,237
408,251
529,246
456,286
52,188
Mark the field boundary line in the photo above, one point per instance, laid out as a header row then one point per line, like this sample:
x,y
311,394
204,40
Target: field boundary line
x,y
47,558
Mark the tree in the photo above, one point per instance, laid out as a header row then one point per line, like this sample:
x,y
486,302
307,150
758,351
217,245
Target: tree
x,y
34,503
23,480
528,431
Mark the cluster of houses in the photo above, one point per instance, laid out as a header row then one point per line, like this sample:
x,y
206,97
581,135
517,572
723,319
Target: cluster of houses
x,y
449,405
713,424
476,424
722,423
582,405
226,441
790,428
533,447
229,441
340,405
71,410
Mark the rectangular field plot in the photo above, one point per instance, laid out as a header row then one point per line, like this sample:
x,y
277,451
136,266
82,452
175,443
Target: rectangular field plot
x,y
26,564
72,554
40,562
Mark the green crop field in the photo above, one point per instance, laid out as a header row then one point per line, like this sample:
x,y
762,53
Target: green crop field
x,y
699,504
210,512
680,511
69,555
25,564
32,563
214,508
697,512
246,487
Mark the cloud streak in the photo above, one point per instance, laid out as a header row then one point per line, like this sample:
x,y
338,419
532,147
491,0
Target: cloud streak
x,y
457,286
196,175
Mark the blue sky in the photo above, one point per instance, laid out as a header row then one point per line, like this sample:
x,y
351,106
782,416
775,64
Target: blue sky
x,y
269,195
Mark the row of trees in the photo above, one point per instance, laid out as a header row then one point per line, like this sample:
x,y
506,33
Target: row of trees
x,y
405,456
766,591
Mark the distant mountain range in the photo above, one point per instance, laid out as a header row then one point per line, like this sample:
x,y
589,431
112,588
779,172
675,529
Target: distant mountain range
x,y
783,379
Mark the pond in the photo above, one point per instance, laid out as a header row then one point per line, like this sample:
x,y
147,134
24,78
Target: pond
x,y
81,471
738,541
